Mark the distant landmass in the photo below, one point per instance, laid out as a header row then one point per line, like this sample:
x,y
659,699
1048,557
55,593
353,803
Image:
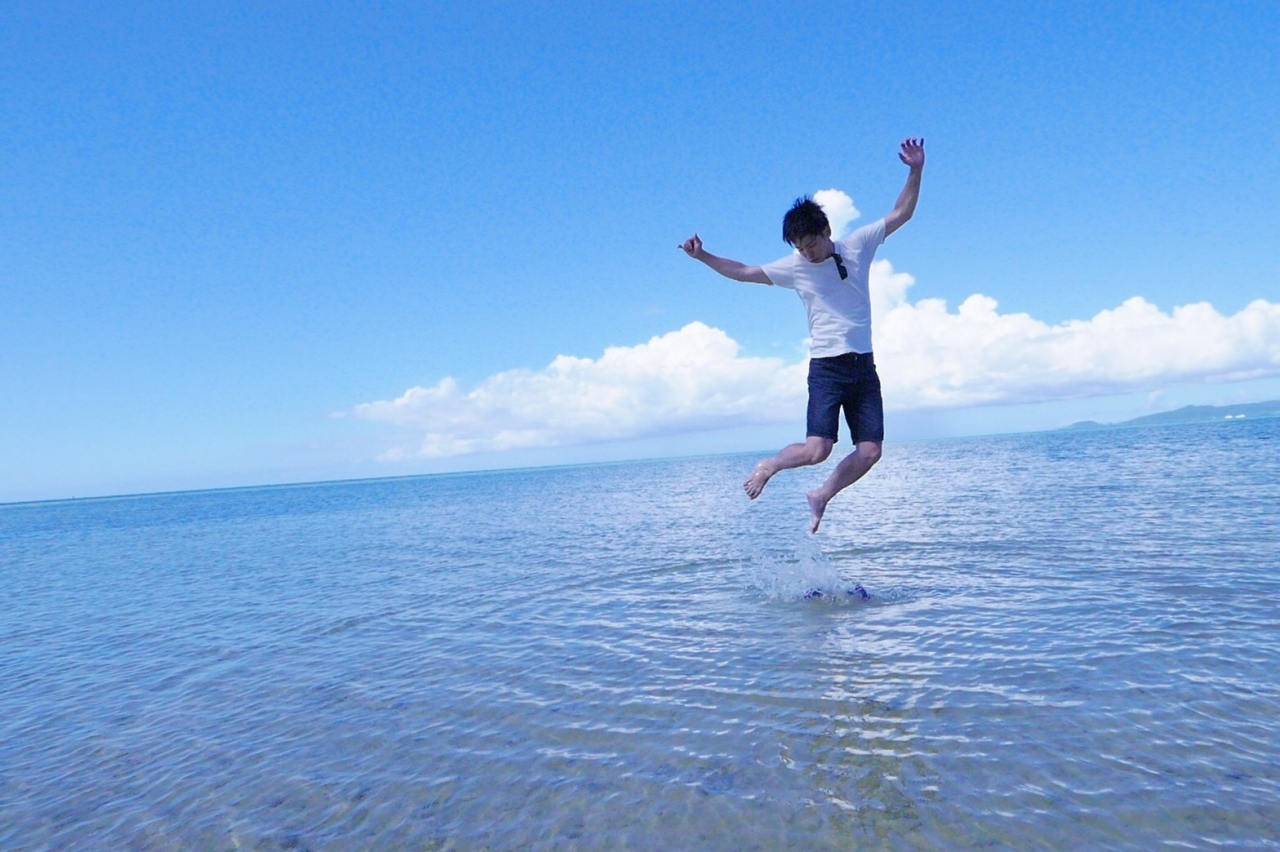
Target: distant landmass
x,y
1193,414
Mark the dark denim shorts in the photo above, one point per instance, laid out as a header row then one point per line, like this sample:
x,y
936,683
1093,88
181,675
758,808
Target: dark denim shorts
x,y
850,382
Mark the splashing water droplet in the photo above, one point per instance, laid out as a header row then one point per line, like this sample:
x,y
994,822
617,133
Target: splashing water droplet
x,y
796,572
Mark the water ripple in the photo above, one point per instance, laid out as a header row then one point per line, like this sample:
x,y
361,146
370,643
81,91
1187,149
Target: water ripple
x,y
1071,641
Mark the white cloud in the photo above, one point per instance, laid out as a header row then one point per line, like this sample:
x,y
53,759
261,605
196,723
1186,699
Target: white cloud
x,y
684,381
932,358
839,209
694,379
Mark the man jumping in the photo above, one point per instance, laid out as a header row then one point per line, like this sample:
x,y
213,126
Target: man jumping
x,y
831,279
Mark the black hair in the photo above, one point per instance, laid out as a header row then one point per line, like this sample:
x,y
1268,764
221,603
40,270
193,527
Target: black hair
x,y
805,218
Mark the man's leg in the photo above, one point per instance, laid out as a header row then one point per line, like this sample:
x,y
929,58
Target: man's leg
x,y
849,471
813,451
822,419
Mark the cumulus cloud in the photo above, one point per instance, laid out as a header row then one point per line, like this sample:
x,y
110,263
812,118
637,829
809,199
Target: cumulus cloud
x,y
839,209
935,358
696,379
688,380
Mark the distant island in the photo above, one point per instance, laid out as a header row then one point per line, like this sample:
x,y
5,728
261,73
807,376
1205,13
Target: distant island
x,y
1192,414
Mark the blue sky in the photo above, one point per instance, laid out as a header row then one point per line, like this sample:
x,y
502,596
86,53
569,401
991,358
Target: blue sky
x,y
232,237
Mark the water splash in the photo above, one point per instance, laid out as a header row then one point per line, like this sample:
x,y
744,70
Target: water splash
x,y
799,571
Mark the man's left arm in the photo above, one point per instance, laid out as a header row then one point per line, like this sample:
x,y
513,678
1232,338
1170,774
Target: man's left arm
x,y
912,154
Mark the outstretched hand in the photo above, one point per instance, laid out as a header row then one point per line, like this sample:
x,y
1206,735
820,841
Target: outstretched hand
x,y
912,152
692,246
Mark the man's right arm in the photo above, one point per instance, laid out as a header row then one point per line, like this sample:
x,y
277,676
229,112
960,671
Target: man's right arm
x,y
726,267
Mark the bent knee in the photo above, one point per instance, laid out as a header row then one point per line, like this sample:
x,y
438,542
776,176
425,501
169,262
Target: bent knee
x,y
819,449
870,450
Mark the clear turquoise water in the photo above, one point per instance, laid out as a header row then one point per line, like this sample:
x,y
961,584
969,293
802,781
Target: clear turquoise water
x,y
1072,641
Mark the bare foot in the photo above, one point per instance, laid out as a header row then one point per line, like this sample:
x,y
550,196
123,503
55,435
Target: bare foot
x,y
758,479
817,505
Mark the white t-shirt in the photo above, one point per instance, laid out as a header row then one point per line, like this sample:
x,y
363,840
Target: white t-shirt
x,y
839,310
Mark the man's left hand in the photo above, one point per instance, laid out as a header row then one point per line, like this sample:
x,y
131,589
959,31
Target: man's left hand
x,y
912,152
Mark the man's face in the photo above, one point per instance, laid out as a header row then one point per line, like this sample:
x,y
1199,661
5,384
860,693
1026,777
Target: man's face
x,y
814,248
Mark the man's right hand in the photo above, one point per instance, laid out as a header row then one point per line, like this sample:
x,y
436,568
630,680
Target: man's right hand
x,y
692,246
727,268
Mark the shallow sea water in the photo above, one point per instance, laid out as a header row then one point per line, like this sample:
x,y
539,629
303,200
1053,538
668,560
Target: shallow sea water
x,y
1072,641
